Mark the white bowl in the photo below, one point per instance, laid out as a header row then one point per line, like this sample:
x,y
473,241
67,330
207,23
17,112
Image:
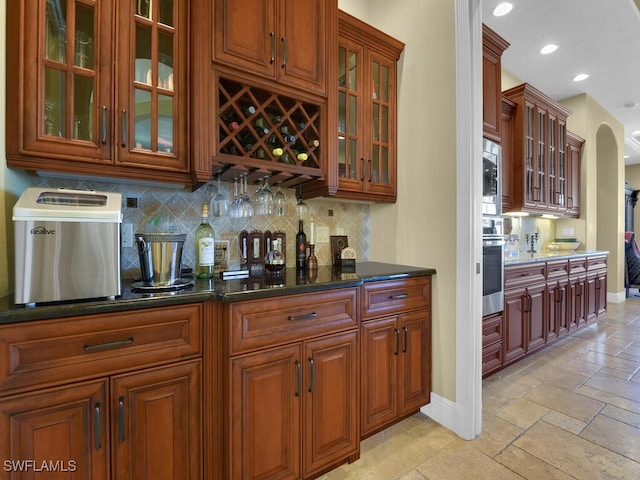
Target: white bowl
x,y
564,245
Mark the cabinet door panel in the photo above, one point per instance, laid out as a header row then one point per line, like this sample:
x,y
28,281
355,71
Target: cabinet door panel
x,y
265,428
514,338
65,91
380,350
302,42
67,425
245,34
537,321
331,399
156,423
415,360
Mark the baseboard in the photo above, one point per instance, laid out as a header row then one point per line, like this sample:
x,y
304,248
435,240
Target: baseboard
x,y
616,297
450,415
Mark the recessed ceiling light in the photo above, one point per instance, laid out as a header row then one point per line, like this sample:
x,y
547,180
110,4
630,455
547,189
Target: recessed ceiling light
x,y
637,132
630,105
502,9
547,49
580,77
627,156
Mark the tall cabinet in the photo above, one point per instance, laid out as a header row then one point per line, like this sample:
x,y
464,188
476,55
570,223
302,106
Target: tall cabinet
x,y
82,104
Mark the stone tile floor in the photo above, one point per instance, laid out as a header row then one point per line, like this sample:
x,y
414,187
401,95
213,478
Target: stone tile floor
x,y
571,411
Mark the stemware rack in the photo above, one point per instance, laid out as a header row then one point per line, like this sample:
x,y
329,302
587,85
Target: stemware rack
x,y
260,132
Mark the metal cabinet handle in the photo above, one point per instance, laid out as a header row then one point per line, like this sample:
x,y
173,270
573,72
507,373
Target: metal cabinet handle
x,y
370,170
397,352
406,339
104,124
362,159
121,419
123,128
312,368
400,296
108,345
284,52
272,36
298,378
306,316
97,425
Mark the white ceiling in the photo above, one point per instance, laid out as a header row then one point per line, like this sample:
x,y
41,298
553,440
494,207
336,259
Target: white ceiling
x,y
598,37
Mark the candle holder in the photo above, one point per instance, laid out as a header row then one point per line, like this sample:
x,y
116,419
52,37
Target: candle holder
x,y
532,239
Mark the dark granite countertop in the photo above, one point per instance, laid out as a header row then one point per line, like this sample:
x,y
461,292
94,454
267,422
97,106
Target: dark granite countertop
x,y
547,255
220,290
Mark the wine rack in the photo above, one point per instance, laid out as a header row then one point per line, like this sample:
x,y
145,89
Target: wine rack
x,y
260,132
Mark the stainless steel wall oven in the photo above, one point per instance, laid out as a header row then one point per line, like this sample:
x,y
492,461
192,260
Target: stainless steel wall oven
x,y
492,265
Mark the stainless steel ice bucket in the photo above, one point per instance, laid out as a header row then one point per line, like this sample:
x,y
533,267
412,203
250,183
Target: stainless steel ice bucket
x,y
160,257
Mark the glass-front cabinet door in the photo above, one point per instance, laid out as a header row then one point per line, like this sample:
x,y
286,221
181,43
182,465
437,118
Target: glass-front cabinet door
x,y
67,84
350,115
380,167
151,107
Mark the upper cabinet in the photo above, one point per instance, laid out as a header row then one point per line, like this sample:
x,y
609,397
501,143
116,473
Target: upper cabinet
x,y
283,40
362,163
574,154
492,48
539,173
81,104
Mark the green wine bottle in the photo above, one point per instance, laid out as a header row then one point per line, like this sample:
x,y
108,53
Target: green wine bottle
x,y
205,246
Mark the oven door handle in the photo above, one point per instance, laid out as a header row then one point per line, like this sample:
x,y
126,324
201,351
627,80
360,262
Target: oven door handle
x,y
493,243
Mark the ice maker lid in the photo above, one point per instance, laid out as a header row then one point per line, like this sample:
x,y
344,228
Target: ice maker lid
x,y
62,204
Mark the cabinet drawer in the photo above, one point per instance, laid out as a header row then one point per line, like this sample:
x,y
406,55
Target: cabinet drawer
x,y
517,275
577,266
264,323
491,358
596,263
557,270
491,330
53,351
395,296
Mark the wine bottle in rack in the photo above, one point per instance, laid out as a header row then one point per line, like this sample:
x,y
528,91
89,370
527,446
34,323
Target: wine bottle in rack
x,y
232,120
276,119
250,110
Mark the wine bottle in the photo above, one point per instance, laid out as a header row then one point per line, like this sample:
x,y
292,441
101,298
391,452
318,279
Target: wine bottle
x,y
250,110
205,246
301,247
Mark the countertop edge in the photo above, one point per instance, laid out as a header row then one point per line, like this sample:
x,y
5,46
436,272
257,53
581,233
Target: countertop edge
x,y
550,256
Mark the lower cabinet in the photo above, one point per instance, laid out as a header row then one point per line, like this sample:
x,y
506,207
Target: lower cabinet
x,y
293,388
146,425
108,396
294,403
396,352
543,301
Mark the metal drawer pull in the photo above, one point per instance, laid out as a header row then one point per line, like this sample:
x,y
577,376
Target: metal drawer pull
x,y
303,317
312,381
104,124
121,419
123,128
106,346
97,434
399,296
273,47
299,378
397,352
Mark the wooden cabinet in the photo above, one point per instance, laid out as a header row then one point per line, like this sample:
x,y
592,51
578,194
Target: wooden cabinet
x,y
539,175
284,40
508,112
396,351
574,153
543,301
524,309
75,112
294,391
492,343
577,293
557,304
362,115
492,48
596,287
107,395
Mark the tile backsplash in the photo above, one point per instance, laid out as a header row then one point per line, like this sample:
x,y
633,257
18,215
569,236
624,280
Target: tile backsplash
x,y
178,210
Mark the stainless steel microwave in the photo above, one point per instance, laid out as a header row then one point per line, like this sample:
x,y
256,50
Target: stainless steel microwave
x,y
491,178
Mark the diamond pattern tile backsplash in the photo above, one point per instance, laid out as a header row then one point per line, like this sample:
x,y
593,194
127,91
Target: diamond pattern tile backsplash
x,y
178,211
